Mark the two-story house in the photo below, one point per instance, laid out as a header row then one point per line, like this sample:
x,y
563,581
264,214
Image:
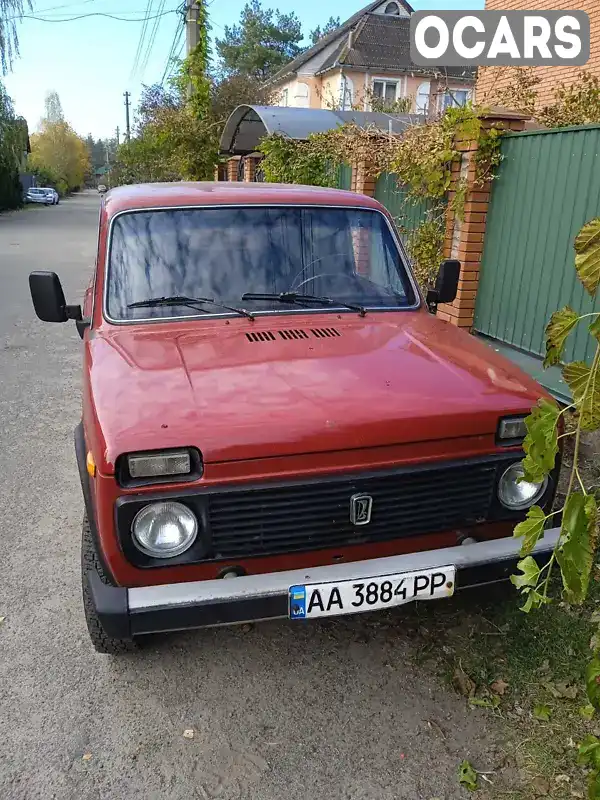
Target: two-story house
x,y
365,65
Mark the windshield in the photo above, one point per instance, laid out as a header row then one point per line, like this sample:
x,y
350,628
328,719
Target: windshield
x,y
226,252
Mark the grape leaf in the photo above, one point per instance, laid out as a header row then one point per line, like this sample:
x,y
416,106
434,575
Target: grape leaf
x,y
588,752
541,442
560,326
578,544
587,255
592,682
531,529
467,776
531,573
586,393
595,328
534,600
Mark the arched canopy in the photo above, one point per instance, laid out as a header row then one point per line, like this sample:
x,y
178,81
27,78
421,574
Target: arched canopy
x,y
247,125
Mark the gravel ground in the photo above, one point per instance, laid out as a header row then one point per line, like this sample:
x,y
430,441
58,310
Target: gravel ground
x,y
338,709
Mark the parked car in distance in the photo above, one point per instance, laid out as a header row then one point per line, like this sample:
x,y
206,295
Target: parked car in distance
x,y
101,188
53,194
275,423
36,195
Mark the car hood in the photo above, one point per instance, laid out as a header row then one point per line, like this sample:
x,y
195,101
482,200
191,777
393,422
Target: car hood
x,y
289,384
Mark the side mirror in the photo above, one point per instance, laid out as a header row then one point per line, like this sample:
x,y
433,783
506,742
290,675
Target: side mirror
x,y
49,300
48,297
446,285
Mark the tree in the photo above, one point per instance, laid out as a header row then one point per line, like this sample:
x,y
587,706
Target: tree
x,y
53,111
331,25
57,152
11,11
263,42
13,147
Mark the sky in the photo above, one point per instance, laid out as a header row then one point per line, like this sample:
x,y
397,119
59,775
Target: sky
x,y
91,62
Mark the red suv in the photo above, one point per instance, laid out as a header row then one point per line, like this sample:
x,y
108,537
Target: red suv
x,y
275,424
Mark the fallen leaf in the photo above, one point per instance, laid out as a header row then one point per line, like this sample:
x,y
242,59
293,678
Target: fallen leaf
x,y
575,793
86,756
485,702
2,620
568,691
462,683
467,776
542,712
540,786
552,689
562,779
188,733
499,687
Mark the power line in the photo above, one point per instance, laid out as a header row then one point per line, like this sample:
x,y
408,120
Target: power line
x,y
140,44
150,45
176,41
96,14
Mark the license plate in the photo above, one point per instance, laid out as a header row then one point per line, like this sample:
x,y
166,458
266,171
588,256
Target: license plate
x,y
383,591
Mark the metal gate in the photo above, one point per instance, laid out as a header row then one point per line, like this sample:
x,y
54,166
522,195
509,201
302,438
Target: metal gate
x,y
407,212
548,187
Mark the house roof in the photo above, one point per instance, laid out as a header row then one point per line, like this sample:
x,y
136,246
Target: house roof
x,y
345,27
382,42
247,125
379,41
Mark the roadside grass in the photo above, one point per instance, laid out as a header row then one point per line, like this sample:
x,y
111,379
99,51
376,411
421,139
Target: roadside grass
x,y
522,668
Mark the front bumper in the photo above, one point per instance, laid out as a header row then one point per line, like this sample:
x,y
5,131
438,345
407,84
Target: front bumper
x,y
126,613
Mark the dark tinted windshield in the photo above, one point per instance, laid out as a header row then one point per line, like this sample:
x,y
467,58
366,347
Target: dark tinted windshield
x,y
225,252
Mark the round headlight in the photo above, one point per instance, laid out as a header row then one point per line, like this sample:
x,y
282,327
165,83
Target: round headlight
x,y
164,530
517,494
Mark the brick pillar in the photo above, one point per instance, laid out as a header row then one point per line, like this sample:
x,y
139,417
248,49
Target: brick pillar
x,y
250,165
232,169
363,178
464,238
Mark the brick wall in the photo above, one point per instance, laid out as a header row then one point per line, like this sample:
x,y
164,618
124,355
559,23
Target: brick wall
x,y
493,78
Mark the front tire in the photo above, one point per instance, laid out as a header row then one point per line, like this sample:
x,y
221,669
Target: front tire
x,y
90,561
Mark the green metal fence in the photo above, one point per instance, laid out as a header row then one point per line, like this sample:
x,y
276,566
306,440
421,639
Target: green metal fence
x,y
344,177
548,187
407,212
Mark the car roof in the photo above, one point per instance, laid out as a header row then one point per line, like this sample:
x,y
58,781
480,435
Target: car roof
x,y
161,195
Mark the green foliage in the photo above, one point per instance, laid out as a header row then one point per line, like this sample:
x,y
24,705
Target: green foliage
x,y
587,259
262,43
531,530
467,776
592,682
318,33
289,161
560,326
584,383
13,149
541,442
542,712
11,12
575,555
425,244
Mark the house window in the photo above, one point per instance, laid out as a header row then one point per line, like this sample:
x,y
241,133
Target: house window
x,y
422,99
285,97
385,92
455,97
302,98
392,8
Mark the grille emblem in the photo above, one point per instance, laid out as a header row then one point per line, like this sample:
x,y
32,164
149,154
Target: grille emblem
x,y
361,506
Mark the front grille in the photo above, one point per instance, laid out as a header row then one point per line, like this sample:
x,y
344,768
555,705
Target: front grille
x,y
283,519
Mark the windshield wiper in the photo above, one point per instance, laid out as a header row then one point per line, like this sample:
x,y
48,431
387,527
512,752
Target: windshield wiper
x,y
182,300
300,299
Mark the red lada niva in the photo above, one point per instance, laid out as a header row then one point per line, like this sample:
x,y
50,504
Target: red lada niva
x,y
275,424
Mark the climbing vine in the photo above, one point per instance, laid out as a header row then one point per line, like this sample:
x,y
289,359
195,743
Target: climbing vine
x,y
574,553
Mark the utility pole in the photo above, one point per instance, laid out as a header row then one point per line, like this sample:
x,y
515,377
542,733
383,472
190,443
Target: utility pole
x,y
127,95
191,26
107,163
118,140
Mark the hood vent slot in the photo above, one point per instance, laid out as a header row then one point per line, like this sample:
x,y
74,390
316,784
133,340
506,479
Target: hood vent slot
x,y
325,333
295,333
261,336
